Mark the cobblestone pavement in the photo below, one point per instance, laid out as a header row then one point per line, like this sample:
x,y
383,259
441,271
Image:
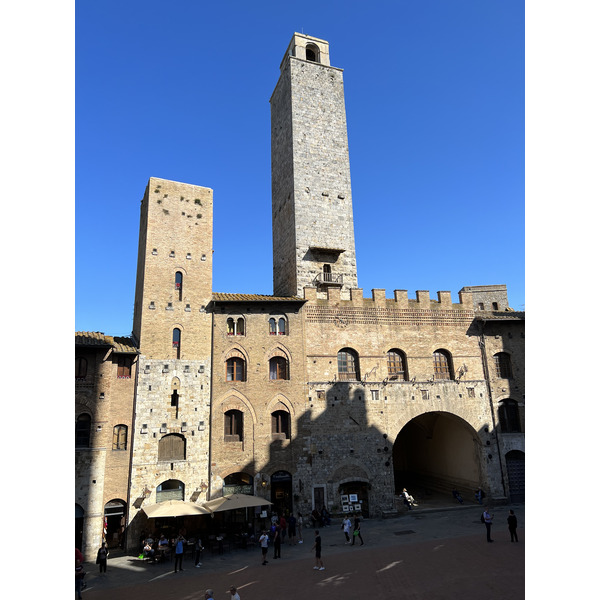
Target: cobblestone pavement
x,y
422,554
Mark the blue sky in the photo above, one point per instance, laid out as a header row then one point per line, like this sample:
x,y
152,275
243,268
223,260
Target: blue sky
x,y
435,104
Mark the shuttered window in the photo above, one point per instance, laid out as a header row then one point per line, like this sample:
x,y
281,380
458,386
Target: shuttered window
x,y
396,365
441,365
120,437
235,369
171,447
348,365
508,412
124,367
278,368
234,426
83,429
80,367
503,367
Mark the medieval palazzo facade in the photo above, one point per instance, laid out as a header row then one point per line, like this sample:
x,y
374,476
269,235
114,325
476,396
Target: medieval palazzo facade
x,y
306,397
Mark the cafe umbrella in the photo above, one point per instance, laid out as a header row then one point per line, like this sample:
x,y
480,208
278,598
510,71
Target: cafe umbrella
x,y
174,508
234,501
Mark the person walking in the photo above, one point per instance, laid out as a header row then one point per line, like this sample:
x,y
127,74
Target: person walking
x,y
209,595
512,525
264,546
356,532
317,548
179,553
282,528
487,519
79,575
299,526
292,530
277,542
101,557
198,548
346,524
234,594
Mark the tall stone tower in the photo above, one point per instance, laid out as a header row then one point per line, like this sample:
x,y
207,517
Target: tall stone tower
x,y
173,330
313,226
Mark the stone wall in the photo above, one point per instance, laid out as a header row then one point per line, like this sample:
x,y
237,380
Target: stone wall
x,y
261,452
102,472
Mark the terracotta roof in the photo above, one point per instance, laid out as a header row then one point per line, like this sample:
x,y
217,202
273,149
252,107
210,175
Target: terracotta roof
x,y
218,297
121,345
509,315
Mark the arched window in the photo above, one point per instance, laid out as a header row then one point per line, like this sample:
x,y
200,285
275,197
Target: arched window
x,y
503,366
177,341
280,424
80,367
278,368
179,283
508,412
312,53
236,369
234,426
170,490
442,365
83,430
396,361
119,437
277,326
348,365
235,326
171,447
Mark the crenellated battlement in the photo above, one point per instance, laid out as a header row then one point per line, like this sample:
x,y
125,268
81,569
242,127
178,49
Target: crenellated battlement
x,y
423,301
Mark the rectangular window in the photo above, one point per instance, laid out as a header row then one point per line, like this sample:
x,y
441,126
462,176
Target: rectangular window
x,y
124,367
424,394
233,426
374,395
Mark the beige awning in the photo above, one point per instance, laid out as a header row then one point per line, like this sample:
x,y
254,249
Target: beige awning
x,y
234,501
174,508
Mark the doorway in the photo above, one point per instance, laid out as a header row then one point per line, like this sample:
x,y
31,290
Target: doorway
x,y
114,519
281,492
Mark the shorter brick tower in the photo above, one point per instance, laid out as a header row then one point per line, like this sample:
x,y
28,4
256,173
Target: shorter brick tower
x,y
173,330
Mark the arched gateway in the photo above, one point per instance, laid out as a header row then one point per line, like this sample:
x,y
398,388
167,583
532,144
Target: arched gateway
x,y
437,451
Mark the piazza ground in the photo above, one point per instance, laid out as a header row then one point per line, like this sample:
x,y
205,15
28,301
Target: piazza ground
x,y
418,555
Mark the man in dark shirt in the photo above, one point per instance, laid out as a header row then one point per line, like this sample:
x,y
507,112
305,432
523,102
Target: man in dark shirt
x,y
512,526
317,548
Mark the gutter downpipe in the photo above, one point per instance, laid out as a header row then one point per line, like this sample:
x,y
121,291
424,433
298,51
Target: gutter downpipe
x,y
486,373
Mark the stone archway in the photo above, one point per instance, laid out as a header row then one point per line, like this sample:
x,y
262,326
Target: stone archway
x,y
436,452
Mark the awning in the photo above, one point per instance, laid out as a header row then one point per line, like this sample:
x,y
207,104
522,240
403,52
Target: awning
x,y
234,501
174,508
